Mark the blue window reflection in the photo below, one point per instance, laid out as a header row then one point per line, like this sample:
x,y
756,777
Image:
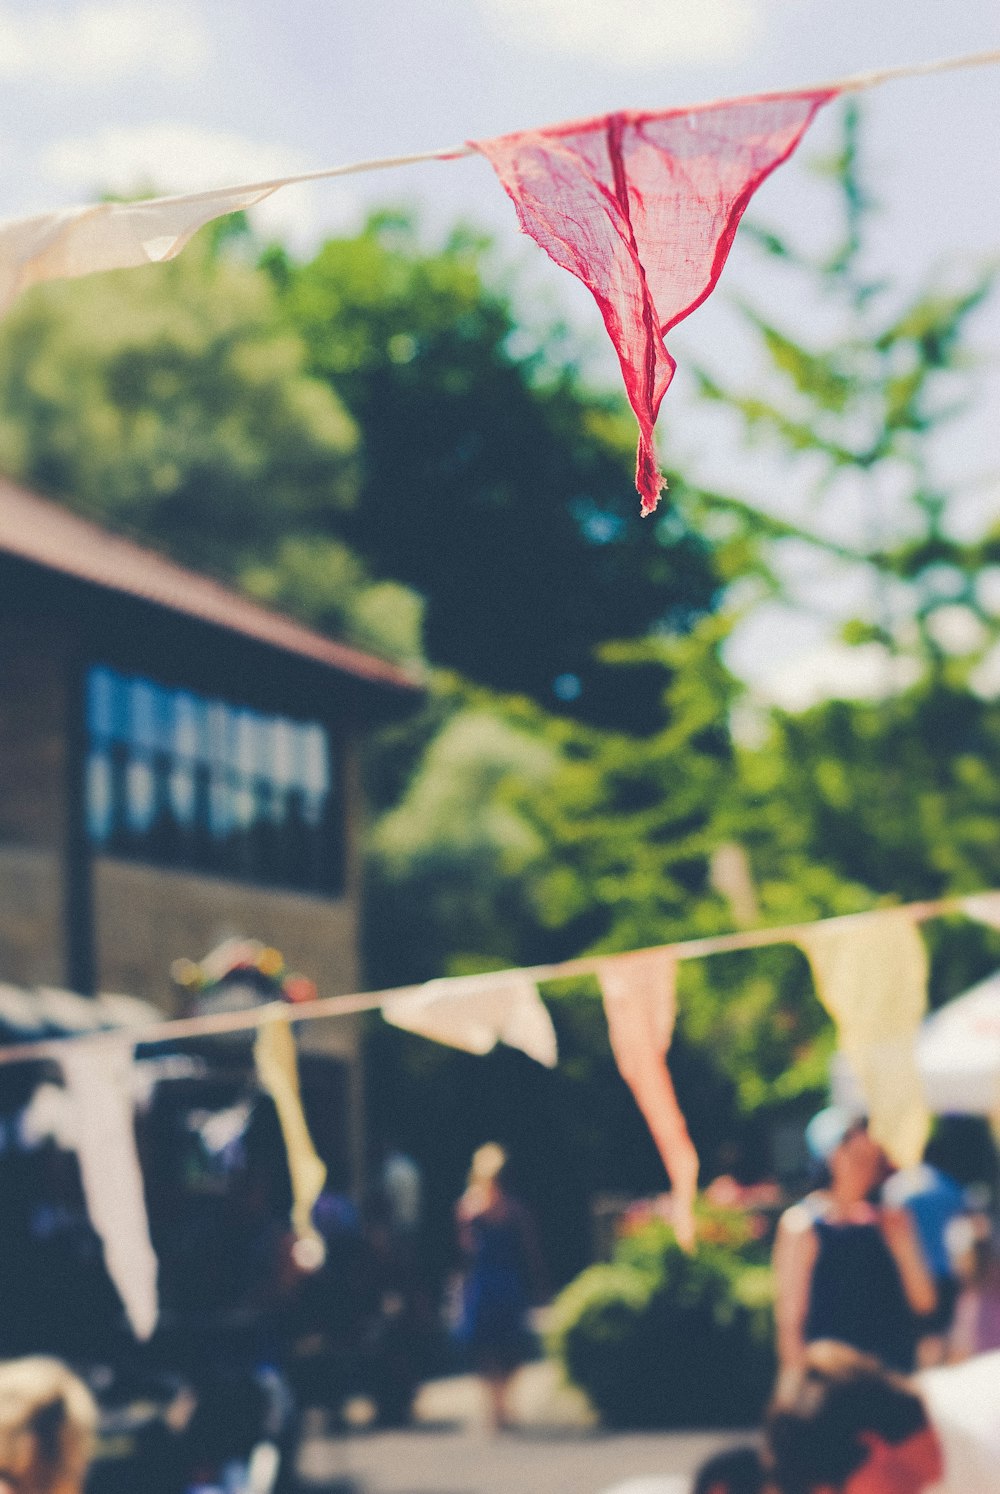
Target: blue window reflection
x,y
180,779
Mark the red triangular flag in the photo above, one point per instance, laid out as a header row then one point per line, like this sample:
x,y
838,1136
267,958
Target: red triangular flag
x,y
643,209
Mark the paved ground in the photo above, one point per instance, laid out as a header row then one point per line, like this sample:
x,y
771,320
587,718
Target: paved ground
x,y
555,1448
430,1461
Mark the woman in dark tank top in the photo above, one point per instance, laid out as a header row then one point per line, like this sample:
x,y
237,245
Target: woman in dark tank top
x,y
844,1268
856,1292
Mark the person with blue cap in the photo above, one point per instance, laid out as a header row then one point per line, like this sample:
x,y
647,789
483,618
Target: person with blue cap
x,y
847,1268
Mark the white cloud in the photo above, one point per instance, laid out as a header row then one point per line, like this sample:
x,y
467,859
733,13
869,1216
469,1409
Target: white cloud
x,y
634,33
103,40
171,157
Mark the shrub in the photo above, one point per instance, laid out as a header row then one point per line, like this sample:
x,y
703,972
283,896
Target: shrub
x,y
658,1338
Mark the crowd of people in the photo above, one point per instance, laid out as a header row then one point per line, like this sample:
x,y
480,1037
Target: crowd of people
x,y
886,1314
887,1318
887,1333
842,1422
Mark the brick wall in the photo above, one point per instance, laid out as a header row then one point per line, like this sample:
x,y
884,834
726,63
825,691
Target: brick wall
x,y
31,917
33,774
33,707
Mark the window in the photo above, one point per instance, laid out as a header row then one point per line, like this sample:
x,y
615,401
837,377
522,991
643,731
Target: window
x,y
181,780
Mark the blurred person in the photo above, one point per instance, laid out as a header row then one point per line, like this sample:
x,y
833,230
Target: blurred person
x,y
403,1187
48,1420
847,1268
842,1423
935,1201
501,1276
738,1470
976,1328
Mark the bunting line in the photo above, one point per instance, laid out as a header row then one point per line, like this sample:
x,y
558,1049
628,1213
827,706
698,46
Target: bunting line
x,y
856,82
219,1024
641,206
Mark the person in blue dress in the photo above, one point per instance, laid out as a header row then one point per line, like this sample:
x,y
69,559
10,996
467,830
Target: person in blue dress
x,y
501,1277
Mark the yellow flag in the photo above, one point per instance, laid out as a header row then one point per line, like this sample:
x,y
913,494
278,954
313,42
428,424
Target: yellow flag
x,y
871,975
278,1072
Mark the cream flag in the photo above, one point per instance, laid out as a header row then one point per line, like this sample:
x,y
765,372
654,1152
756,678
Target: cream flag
x,y
475,1012
110,235
640,1004
278,1072
98,1080
871,975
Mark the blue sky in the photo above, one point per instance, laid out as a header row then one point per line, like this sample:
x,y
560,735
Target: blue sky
x,y
113,93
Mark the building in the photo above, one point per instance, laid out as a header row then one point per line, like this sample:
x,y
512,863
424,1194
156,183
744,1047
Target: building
x,y
177,765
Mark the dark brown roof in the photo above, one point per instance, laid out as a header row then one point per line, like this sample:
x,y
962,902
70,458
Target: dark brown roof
x,y
46,534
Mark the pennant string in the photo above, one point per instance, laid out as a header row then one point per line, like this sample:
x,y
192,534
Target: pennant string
x,y
220,1024
60,222
641,207
853,83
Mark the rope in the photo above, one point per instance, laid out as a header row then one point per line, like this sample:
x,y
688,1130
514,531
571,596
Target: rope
x,y
221,1023
455,152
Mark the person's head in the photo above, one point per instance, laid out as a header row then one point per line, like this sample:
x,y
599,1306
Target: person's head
x,y
489,1166
737,1471
844,1424
47,1422
841,1147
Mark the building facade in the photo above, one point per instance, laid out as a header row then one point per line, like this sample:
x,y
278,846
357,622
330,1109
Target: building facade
x,y
177,766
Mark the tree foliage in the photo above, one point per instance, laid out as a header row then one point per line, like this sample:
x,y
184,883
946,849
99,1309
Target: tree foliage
x,y
174,402
493,482
862,412
372,441
837,809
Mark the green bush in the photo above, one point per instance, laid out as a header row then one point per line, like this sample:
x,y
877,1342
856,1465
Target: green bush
x,y
658,1338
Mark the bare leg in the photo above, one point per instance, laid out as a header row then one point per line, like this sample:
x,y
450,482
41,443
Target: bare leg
x,y
496,1386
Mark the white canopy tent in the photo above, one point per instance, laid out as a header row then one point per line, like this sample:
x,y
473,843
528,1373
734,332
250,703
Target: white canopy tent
x,y
958,1053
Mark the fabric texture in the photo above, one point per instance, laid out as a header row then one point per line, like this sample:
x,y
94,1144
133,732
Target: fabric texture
x,y
278,1072
640,1004
643,208
109,236
871,975
98,1079
476,1012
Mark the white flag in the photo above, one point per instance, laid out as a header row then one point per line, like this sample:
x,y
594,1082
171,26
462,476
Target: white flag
x,y
98,1079
475,1012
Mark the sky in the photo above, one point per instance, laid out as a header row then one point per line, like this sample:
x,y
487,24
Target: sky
x,y
179,95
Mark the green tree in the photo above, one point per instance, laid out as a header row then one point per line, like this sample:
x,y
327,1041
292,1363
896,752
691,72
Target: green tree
x,y
863,412
895,795
493,481
838,808
174,402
